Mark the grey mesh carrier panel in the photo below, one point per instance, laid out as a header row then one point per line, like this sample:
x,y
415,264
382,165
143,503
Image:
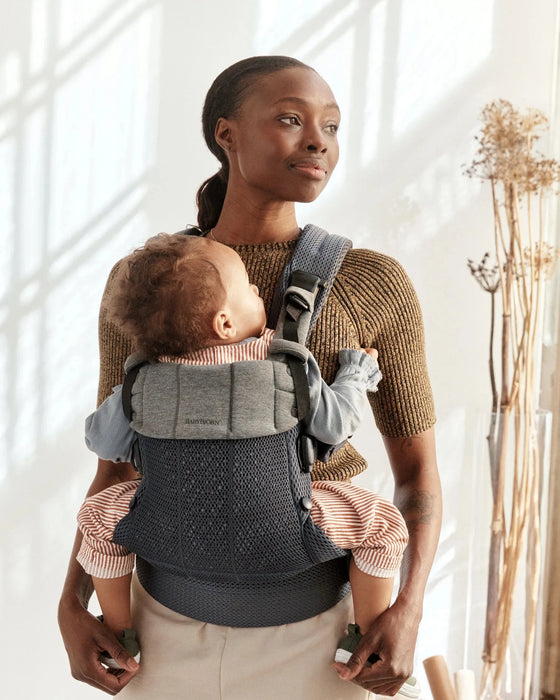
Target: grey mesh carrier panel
x,y
247,528
221,525
253,604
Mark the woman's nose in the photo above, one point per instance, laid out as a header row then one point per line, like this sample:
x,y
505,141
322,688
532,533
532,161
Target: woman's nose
x,y
317,146
315,140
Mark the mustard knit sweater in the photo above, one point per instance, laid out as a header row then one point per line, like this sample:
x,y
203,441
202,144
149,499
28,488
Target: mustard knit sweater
x,y
372,304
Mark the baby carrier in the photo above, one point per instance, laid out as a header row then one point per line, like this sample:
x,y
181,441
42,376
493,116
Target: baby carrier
x,y
220,522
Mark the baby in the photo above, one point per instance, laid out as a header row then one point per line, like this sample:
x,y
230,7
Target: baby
x,y
187,299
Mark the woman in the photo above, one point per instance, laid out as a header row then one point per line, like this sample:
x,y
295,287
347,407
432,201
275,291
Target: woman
x,y
272,123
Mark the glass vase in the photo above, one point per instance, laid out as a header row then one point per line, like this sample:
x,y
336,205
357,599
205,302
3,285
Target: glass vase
x,y
508,540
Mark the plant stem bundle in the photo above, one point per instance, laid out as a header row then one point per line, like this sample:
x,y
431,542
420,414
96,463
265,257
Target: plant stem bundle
x,y
519,177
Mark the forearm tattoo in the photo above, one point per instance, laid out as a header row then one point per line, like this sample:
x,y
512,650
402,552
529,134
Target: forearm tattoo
x,y
418,509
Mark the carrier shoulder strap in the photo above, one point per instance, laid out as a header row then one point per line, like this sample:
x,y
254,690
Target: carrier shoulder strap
x,y
302,291
132,366
318,253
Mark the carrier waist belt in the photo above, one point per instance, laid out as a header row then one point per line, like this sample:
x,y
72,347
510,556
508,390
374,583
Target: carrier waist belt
x,y
259,604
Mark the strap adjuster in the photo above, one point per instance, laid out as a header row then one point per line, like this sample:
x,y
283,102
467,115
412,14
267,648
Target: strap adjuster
x,y
302,290
307,452
298,301
305,280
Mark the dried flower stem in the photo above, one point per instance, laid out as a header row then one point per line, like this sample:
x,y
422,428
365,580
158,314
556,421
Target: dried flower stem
x,y
506,158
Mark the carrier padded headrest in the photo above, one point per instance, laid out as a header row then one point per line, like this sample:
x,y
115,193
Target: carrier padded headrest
x,y
215,402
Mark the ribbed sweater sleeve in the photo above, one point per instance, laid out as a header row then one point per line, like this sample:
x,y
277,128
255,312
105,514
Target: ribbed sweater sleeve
x,y
114,346
384,308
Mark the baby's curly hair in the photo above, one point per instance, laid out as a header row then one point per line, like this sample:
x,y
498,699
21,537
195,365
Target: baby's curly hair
x,y
166,294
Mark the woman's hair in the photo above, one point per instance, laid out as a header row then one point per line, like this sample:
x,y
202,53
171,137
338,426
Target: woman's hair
x,y
166,294
224,99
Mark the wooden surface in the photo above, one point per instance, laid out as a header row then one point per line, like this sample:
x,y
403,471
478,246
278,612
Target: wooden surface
x,y
550,654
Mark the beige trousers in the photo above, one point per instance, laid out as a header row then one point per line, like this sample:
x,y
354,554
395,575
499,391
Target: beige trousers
x,y
186,659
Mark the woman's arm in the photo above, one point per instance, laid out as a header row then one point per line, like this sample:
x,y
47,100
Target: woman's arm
x,y
84,636
418,497
387,315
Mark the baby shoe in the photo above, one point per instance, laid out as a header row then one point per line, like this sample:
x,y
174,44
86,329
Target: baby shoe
x,y
347,645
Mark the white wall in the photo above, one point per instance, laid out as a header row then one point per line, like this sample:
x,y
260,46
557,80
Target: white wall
x,y
100,146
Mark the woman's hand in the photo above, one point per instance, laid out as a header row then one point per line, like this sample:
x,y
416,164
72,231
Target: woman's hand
x,y
85,637
392,639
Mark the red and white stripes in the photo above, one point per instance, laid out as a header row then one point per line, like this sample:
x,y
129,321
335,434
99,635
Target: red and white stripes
x,y
97,519
357,519
256,349
351,516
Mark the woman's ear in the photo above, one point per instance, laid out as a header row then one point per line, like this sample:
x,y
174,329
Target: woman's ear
x,y
223,133
222,325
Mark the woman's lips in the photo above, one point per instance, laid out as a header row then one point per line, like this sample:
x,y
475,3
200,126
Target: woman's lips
x,y
312,170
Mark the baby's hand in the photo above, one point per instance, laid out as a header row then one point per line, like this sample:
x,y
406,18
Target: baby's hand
x,y
372,352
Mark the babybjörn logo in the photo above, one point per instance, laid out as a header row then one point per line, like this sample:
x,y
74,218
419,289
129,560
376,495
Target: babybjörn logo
x,y
202,421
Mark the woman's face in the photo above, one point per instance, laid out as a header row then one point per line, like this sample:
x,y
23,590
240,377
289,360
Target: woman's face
x,y
283,144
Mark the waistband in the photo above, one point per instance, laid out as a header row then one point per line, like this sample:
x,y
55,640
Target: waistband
x,y
249,604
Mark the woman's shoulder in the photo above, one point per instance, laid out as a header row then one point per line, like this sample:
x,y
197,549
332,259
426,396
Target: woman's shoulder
x,y
371,259
111,281
369,270
114,346
115,269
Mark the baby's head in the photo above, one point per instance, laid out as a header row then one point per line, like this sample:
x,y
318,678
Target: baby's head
x,y
177,294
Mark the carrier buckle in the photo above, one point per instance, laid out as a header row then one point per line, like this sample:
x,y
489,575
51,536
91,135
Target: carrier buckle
x,y
306,282
294,299
306,453
136,459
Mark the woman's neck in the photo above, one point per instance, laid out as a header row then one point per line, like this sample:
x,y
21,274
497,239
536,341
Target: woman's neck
x,y
240,223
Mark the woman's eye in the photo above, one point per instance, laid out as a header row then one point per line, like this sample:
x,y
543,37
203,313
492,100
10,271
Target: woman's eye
x,y
293,121
333,128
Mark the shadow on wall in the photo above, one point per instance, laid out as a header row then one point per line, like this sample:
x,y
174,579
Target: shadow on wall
x,y
395,66
76,149
78,90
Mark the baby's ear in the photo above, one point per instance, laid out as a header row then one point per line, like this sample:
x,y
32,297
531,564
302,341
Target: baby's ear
x,y
222,325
